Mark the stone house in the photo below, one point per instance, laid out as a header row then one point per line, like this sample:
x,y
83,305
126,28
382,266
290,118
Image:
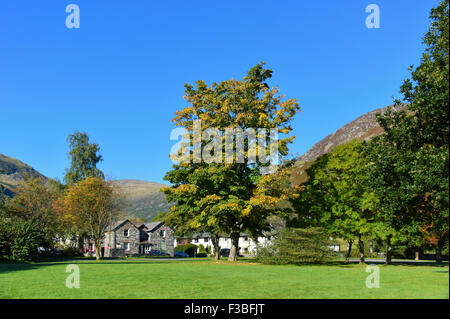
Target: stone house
x,y
124,238
156,237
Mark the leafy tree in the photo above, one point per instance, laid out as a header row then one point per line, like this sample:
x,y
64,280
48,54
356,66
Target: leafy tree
x,y
194,194
335,196
387,173
56,186
431,181
33,202
409,162
222,197
92,205
159,217
84,158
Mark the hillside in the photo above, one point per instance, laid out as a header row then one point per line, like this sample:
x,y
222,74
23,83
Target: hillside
x,y
144,200
364,127
12,171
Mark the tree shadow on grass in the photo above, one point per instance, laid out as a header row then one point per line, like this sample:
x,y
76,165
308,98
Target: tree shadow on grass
x,y
6,267
325,264
352,264
412,264
11,266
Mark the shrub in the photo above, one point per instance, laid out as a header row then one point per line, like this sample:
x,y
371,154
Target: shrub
x,y
71,252
5,240
27,239
201,249
297,246
19,240
189,249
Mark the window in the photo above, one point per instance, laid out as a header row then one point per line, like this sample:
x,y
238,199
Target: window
x,y
126,233
162,233
126,246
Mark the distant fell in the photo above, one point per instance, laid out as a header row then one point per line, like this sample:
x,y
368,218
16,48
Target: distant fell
x,y
143,199
12,171
363,128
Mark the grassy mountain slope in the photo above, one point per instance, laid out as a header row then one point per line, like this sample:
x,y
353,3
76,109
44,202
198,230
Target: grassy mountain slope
x,y
12,171
144,200
364,127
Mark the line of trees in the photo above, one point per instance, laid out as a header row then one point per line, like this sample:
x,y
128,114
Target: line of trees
x,y
393,188
396,186
47,214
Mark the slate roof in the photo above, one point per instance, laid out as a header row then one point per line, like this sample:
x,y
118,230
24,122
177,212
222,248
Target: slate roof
x,y
151,226
119,224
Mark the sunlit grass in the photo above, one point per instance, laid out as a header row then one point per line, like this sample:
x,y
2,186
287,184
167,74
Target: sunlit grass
x,y
204,278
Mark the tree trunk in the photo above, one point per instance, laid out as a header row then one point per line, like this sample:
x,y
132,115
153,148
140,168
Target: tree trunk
x,y
81,244
388,250
439,251
417,258
362,259
215,242
98,251
349,251
234,247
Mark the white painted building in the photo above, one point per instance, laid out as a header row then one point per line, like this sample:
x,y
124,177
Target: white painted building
x,y
246,244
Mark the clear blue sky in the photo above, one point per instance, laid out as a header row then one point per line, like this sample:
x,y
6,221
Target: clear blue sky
x,y
120,76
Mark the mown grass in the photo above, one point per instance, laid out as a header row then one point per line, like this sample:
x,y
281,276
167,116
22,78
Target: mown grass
x,y
206,279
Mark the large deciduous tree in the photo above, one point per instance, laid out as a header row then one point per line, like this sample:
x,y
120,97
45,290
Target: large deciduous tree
x,y
33,202
409,162
222,196
92,205
335,196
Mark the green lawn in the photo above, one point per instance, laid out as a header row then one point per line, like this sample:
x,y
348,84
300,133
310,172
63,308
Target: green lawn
x,y
205,279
